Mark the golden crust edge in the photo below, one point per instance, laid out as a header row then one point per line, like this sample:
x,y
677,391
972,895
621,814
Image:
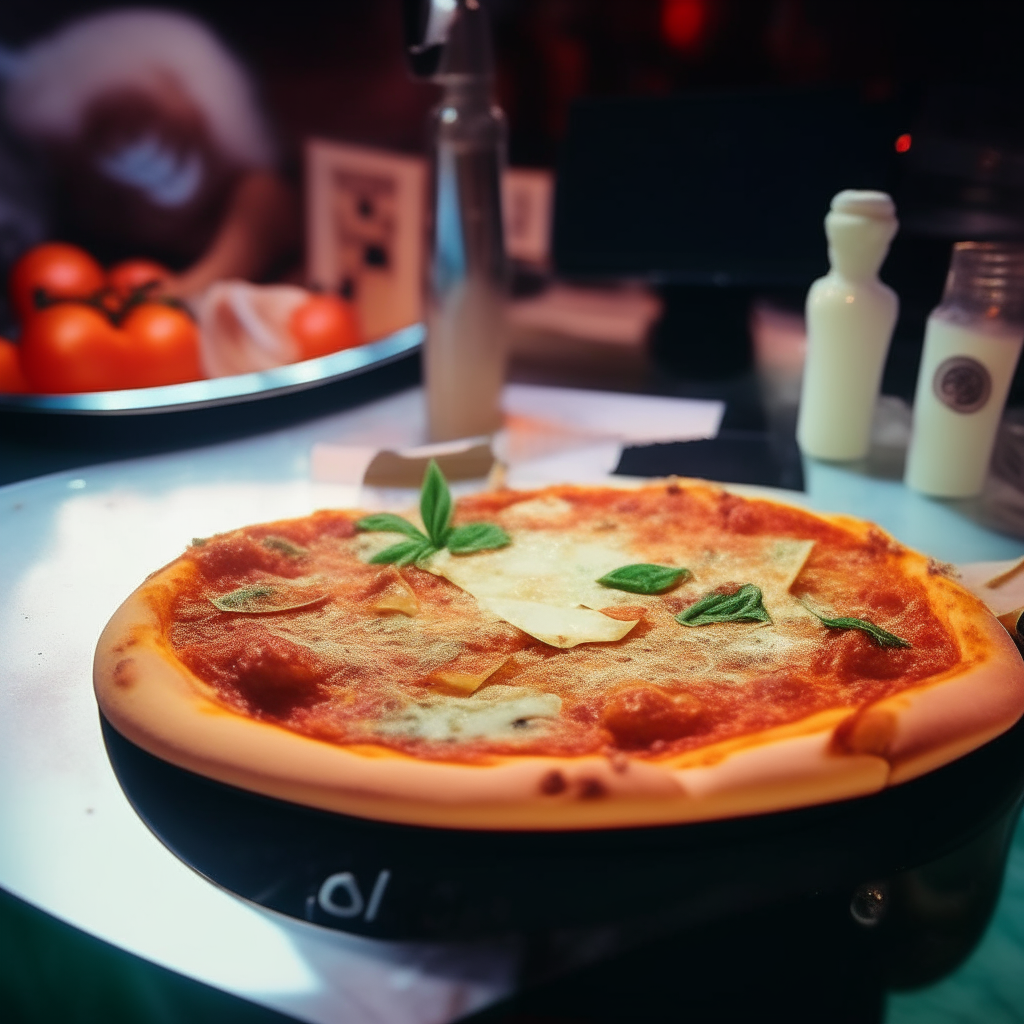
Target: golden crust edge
x,y
165,712
927,726
158,706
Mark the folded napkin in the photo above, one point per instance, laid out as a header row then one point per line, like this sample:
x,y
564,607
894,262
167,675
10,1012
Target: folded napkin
x,y
468,459
549,435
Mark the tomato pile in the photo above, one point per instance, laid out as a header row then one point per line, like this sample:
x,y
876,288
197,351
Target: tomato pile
x,y
84,328
323,324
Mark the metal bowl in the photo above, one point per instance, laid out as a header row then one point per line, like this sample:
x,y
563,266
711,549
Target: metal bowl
x,y
220,391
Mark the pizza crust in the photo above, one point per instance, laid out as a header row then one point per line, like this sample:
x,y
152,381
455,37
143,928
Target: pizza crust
x,y
928,726
156,702
150,697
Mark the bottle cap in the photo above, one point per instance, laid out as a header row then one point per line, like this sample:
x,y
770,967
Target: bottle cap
x,y
863,203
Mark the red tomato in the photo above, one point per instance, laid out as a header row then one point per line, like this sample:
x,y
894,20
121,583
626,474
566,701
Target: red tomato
x,y
12,377
130,275
165,345
62,271
74,347
324,324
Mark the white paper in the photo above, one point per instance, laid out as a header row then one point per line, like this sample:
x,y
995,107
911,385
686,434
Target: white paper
x,y
633,419
551,435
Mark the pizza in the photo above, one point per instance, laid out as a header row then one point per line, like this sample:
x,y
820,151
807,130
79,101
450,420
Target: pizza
x,y
566,658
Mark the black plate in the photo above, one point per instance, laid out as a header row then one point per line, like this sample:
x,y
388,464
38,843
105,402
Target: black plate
x,y
404,882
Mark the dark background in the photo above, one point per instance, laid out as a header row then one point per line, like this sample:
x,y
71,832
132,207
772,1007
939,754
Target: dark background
x,y
944,73
336,68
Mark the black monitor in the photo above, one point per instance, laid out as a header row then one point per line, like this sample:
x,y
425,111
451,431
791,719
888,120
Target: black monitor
x,y
711,189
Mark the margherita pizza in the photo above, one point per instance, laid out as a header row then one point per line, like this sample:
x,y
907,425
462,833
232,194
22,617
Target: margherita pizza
x,y
574,657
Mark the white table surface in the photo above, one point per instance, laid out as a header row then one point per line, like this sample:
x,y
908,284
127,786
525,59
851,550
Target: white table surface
x,y
72,546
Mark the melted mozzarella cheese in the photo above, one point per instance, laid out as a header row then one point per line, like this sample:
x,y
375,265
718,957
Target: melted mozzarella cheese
x,y
559,627
539,565
496,713
545,581
544,584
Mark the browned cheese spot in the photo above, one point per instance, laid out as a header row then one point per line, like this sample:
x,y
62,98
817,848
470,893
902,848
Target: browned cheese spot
x,y
624,612
125,673
553,783
592,789
947,569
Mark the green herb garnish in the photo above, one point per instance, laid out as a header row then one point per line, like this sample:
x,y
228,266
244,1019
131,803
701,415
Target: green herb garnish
x,y
644,578
436,505
261,599
284,546
745,605
385,522
405,552
242,599
464,540
882,637
436,512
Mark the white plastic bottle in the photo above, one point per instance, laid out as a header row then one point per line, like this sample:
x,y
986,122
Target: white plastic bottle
x,y
971,347
850,319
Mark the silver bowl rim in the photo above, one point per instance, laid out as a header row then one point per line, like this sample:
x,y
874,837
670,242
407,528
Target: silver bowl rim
x,y
218,391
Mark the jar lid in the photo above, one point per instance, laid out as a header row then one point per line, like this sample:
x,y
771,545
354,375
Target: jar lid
x,y
987,278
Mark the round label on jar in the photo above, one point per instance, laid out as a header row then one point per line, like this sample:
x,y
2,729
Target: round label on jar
x,y
963,384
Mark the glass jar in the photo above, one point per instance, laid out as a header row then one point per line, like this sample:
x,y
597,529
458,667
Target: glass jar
x,y
971,347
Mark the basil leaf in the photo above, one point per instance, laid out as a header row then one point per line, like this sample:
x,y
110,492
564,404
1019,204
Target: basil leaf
x,y
261,599
436,510
746,605
404,552
436,504
881,636
644,578
464,540
284,546
386,522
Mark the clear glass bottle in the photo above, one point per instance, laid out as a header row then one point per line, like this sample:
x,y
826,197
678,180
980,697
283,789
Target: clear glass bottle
x,y
465,351
971,347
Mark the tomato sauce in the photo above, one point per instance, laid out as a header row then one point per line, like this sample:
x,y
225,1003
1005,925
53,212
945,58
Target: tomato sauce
x,y
339,667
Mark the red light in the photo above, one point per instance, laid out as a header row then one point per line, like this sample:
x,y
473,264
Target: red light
x,y
902,143
683,23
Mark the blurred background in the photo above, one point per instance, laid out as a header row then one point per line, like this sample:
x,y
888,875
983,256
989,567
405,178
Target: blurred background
x,y
264,166
921,99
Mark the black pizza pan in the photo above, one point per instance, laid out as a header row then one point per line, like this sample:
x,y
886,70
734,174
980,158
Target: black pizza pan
x,y
394,881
